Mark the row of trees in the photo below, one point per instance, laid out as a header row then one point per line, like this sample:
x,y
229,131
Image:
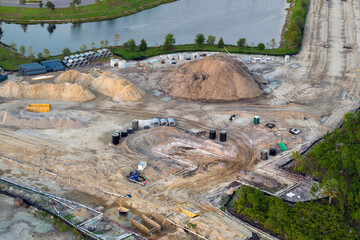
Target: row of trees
x,y
296,27
130,45
241,43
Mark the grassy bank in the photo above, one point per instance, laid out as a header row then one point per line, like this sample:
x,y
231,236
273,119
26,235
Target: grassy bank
x,y
107,9
9,59
155,51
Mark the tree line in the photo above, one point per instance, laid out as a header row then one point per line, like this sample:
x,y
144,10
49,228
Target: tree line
x,y
335,162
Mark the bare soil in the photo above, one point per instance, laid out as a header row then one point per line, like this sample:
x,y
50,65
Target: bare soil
x,y
321,84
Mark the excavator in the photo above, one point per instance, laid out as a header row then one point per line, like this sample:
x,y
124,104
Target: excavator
x,y
136,176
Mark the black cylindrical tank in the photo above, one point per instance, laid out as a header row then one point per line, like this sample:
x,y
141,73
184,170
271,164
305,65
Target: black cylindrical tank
x,y
212,134
272,152
223,136
115,138
124,133
130,130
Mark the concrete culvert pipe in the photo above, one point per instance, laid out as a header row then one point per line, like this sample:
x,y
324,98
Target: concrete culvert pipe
x,y
172,122
163,122
156,122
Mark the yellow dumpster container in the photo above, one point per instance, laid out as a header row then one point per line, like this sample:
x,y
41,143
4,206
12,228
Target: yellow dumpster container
x,y
185,208
38,109
48,105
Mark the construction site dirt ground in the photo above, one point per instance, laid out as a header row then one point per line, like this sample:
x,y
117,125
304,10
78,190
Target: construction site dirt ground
x,y
321,84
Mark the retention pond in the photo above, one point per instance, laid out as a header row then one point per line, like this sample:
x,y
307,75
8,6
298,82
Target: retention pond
x,y
255,20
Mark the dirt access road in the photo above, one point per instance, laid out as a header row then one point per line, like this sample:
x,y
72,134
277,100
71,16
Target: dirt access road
x,y
323,87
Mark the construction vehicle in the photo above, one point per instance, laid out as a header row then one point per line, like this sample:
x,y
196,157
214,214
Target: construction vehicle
x,y
122,210
3,77
136,176
185,208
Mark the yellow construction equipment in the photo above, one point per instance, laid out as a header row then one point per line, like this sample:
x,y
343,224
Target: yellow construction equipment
x,y
185,208
40,105
38,109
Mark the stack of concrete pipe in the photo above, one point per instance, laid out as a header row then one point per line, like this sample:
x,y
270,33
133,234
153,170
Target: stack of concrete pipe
x,y
104,53
163,122
74,61
83,59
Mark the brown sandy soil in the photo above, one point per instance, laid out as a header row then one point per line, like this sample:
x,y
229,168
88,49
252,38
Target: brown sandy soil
x,y
215,78
68,92
106,83
323,86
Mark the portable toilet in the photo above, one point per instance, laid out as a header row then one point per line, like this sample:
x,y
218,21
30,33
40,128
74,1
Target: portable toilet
x,y
142,166
122,64
287,58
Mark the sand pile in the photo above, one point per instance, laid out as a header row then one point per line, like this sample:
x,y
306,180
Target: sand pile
x,y
106,83
215,78
68,92
22,121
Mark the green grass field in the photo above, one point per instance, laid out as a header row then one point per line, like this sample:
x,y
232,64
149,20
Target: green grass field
x,y
93,12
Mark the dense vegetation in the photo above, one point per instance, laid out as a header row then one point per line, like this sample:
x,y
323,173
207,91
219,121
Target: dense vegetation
x,y
336,162
304,220
295,29
100,10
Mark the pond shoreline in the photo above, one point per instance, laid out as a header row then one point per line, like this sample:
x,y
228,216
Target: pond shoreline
x,y
70,18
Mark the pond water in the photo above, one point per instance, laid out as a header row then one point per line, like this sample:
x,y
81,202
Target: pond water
x,y
255,20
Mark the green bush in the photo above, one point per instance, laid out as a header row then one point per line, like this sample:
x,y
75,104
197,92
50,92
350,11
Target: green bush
x,y
169,42
143,45
261,46
220,43
200,39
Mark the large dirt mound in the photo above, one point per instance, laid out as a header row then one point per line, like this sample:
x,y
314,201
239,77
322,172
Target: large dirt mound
x,y
68,92
106,83
215,78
